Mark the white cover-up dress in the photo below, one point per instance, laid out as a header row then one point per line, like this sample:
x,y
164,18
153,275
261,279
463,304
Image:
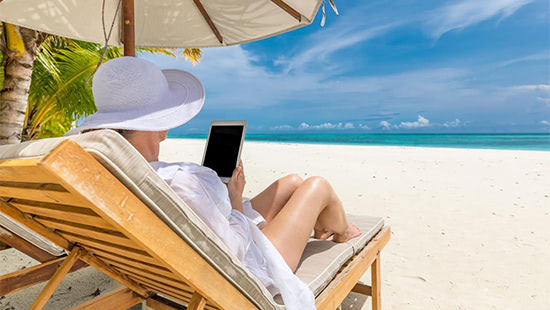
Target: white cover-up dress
x,y
202,190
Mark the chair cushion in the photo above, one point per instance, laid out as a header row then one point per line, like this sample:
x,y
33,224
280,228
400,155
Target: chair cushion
x,y
323,258
369,226
30,236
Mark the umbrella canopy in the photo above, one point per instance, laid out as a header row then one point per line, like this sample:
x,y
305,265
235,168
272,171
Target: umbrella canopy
x,y
164,23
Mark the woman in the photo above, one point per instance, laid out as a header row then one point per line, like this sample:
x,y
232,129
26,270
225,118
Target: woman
x,y
269,232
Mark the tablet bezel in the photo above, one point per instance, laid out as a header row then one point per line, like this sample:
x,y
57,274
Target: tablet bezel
x,y
225,123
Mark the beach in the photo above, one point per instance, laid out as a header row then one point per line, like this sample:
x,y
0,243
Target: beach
x,y
470,228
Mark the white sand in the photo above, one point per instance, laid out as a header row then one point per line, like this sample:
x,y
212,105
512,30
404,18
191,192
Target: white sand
x,y
471,228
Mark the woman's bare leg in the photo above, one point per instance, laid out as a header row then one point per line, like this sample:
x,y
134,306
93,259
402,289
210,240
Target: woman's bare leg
x,y
314,202
270,201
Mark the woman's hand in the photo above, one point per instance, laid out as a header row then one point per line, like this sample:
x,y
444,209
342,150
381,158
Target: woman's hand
x,y
235,187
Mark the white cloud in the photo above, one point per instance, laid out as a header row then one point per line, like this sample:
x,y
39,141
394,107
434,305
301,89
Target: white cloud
x,y
364,126
545,122
385,125
326,126
420,122
454,123
331,41
469,12
533,87
545,100
544,55
282,127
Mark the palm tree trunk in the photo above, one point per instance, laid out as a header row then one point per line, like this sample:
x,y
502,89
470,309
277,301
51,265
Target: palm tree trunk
x,y
20,47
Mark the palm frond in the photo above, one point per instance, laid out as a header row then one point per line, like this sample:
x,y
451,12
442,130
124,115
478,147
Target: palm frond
x,y
194,55
161,51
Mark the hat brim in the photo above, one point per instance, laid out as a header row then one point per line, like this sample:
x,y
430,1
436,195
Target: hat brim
x,y
181,103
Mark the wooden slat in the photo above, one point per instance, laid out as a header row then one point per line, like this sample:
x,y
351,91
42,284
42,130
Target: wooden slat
x,y
160,287
141,267
30,276
142,274
24,170
159,303
208,20
18,216
130,216
3,246
52,187
363,289
333,295
56,279
185,299
88,231
197,302
287,8
40,195
176,297
111,272
119,299
73,214
23,246
108,252
375,276
174,293
110,247
132,262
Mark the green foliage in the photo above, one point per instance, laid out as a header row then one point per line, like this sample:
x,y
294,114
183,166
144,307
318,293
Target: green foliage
x,y
58,95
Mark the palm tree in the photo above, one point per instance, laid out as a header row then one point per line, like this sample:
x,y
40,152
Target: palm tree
x,y
18,47
57,95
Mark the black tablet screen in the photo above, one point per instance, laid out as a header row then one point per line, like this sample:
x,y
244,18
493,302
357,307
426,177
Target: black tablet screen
x,y
223,149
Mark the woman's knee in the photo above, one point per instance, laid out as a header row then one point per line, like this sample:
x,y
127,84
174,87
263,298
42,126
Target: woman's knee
x,y
293,181
317,182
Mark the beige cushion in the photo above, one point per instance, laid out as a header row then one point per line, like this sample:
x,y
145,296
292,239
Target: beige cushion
x,y
369,226
323,258
30,236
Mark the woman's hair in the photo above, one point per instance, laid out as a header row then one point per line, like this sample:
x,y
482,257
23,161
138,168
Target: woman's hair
x,y
123,132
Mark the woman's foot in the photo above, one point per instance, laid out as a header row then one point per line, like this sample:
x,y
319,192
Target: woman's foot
x,y
322,234
352,232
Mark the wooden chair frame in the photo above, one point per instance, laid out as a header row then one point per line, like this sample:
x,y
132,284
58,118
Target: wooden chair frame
x,y
69,198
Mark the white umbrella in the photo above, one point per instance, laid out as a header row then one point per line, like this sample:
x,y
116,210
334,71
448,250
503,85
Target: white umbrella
x,y
162,23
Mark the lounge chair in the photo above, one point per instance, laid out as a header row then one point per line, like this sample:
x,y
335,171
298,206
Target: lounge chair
x,y
95,196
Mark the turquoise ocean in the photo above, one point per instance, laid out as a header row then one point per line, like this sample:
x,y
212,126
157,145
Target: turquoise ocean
x,y
531,142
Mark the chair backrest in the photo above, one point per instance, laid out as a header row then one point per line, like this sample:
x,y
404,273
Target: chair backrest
x,y
130,168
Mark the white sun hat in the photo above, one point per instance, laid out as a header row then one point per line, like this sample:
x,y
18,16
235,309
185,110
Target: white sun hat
x,y
134,94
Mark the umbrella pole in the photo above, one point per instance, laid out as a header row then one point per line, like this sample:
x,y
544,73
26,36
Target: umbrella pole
x,y
128,30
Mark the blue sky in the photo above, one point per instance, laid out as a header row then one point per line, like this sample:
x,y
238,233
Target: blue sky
x,y
399,66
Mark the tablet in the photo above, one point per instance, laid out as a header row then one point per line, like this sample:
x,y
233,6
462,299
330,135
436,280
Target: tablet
x,y
223,147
